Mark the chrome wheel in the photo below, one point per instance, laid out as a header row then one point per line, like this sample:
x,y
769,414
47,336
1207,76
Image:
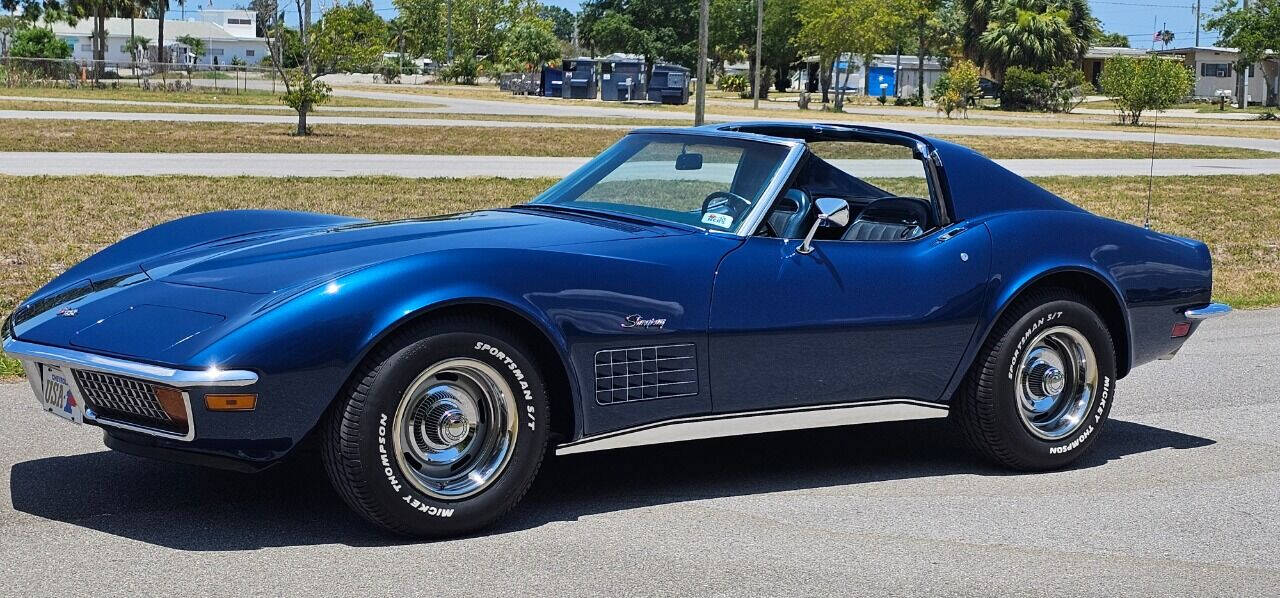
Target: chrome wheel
x,y
454,428
1056,381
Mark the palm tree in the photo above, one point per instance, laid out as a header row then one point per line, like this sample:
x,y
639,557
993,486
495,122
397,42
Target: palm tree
x,y
1036,35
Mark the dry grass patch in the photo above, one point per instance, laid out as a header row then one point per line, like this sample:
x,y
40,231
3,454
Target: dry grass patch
x,y
201,137
197,95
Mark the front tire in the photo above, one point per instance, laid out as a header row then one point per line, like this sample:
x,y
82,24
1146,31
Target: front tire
x,y
442,430
1042,385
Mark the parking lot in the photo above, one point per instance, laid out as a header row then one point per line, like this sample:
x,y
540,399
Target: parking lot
x,y
1178,497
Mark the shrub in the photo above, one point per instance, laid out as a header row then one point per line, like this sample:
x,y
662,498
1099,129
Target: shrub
x,y
390,71
1025,90
736,83
464,70
956,88
1140,84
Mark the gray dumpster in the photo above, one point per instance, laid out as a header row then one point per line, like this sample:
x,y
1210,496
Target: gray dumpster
x,y
669,84
579,79
622,80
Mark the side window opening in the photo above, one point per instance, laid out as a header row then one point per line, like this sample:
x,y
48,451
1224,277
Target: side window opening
x,y
885,185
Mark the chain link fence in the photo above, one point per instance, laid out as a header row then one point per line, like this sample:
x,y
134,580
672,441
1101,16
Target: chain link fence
x,y
147,75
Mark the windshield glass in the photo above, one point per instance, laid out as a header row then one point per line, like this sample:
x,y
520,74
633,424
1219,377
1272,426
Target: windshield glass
x,y
708,182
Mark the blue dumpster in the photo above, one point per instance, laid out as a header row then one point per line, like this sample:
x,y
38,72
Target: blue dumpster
x,y
622,80
579,79
669,84
880,81
552,82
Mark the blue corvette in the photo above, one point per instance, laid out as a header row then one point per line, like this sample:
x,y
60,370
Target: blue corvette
x,y
686,283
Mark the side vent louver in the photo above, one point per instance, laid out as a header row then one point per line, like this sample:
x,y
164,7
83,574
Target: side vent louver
x,y
643,373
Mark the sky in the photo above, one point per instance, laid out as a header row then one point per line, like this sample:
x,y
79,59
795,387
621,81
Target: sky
x,y
1133,18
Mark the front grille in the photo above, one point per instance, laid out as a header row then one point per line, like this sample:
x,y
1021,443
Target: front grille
x,y
126,400
642,373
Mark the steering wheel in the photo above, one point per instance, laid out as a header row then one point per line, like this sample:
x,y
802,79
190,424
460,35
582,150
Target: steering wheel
x,y
723,202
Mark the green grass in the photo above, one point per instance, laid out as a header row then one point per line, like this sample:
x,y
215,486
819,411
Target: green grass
x,y
203,137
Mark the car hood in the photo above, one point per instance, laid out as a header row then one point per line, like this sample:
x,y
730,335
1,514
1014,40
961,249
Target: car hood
x,y
277,260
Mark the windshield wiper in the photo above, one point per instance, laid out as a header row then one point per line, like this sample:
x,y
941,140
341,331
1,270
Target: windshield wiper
x,y
607,215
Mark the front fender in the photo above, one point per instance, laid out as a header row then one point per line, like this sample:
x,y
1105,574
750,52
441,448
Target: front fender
x,y
339,321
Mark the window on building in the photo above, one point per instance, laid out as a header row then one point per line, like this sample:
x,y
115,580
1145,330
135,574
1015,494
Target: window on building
x,y
1215,69
215,52
231,21
86,47
248,52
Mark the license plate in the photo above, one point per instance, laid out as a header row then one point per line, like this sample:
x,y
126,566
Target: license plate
x,y
59,398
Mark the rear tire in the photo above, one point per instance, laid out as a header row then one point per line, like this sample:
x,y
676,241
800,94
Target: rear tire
x,y
1042,385
441,431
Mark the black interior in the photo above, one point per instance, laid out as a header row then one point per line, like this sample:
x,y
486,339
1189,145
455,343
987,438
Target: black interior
x,y
878,215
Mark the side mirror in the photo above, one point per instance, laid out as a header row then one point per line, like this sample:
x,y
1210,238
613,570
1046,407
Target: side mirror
x,y
832,211
688,161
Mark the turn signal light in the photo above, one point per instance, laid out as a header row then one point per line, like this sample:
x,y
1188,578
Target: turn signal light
x,y
1180,330
171,401
244,402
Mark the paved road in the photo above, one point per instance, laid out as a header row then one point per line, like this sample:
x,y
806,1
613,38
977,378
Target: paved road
x,y
552,108
1178,497
328,165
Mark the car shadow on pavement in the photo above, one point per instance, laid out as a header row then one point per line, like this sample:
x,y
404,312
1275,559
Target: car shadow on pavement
x,y
192,508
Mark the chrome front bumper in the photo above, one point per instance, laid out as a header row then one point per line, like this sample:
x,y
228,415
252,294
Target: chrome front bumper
x,y
33,354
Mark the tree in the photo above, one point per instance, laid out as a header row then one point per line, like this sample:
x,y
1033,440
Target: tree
x,y
347,37
1032,34
38,42
529,45
1253,31
1111,40
832,28
9,26
562,21
1140,84
667,28
423,22
194,44
957,87
1035,35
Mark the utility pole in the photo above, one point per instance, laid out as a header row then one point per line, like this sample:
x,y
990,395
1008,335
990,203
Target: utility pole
x,y
1242,79
448,27
1197,23
700,102
755,102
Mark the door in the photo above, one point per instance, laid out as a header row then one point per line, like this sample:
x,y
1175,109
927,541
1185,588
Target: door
x,y
851,321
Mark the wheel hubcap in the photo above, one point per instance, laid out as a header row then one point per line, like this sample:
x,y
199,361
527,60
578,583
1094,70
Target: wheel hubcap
x,y
455,427
1056,381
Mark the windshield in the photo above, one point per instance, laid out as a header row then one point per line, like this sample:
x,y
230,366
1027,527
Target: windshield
x,y
707,182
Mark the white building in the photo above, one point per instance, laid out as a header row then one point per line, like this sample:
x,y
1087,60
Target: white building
x,y
1215,70
227,34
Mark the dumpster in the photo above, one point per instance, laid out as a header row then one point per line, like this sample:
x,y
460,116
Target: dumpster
x,y
552,82
579,79
669,84
880,81
622,81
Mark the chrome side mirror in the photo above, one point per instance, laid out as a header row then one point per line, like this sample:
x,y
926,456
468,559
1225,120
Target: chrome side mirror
x,y
832,211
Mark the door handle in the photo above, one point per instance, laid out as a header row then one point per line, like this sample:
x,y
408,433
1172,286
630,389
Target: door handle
x,y
947,236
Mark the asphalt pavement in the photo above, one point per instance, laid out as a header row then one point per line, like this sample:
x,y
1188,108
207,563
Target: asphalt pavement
x,y
1178,497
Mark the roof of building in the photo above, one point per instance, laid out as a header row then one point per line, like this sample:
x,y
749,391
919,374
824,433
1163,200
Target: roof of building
x,y
148,28
1109,51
